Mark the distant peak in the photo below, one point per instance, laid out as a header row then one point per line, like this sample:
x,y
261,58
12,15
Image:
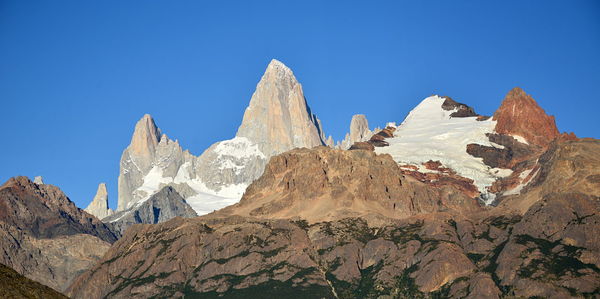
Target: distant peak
x,y
146,136
101,189
278,117
99,205
277,64
279,69
516,92
519,114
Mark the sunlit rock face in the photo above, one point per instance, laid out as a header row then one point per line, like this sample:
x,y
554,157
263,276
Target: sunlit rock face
x,y
99,205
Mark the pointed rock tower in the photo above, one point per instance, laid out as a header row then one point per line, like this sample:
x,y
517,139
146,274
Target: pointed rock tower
x,y
520,115
99,206
359,131
137,158
278,118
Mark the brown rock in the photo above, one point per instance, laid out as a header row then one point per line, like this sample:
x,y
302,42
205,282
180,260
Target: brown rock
x,y
520,115
44,236
324,184
462,110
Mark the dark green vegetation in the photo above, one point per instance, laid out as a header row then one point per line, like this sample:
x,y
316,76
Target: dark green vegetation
x,y
15,285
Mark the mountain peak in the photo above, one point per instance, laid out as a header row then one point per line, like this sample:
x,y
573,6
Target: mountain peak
x,y
99,205
520,115
276,65
278,117
145,136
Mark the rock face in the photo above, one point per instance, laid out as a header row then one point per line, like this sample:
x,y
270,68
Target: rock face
x,y
548,249
160,207
15,285
324,184
99,205
458,109
359,131
276,120
137,159
520,115
245,258
44,236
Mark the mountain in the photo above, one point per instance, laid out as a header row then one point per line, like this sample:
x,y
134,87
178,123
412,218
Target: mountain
x,y
99,205
442,141
44,236
15,285
547,249
277,119
160,207
520,116
324,184
359,131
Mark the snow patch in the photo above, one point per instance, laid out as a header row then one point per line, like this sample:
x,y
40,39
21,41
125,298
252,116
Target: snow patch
x,y
520,139
239,147
517,190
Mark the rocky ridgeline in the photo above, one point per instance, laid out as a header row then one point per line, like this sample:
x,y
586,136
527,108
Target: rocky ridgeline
x,y
160,207
44,236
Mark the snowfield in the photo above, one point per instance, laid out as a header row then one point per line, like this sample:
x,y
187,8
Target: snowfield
x,y
429,133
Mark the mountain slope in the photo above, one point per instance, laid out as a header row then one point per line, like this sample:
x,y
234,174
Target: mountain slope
x,y
14,286
44,236
160,207
550,250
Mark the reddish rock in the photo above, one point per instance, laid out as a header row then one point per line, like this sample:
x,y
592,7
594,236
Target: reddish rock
x,y
520,115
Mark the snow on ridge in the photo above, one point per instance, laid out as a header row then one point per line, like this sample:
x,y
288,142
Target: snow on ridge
x,y
239,147
429,133
204,201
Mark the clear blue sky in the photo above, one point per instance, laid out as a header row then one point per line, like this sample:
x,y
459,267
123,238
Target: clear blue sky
x,y
75,76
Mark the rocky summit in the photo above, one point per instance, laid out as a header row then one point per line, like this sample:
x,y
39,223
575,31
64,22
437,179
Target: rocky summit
x,y
359,131
521,116
277,119
99,205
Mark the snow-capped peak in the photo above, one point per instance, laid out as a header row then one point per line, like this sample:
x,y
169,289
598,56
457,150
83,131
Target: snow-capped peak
x,y
430,133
